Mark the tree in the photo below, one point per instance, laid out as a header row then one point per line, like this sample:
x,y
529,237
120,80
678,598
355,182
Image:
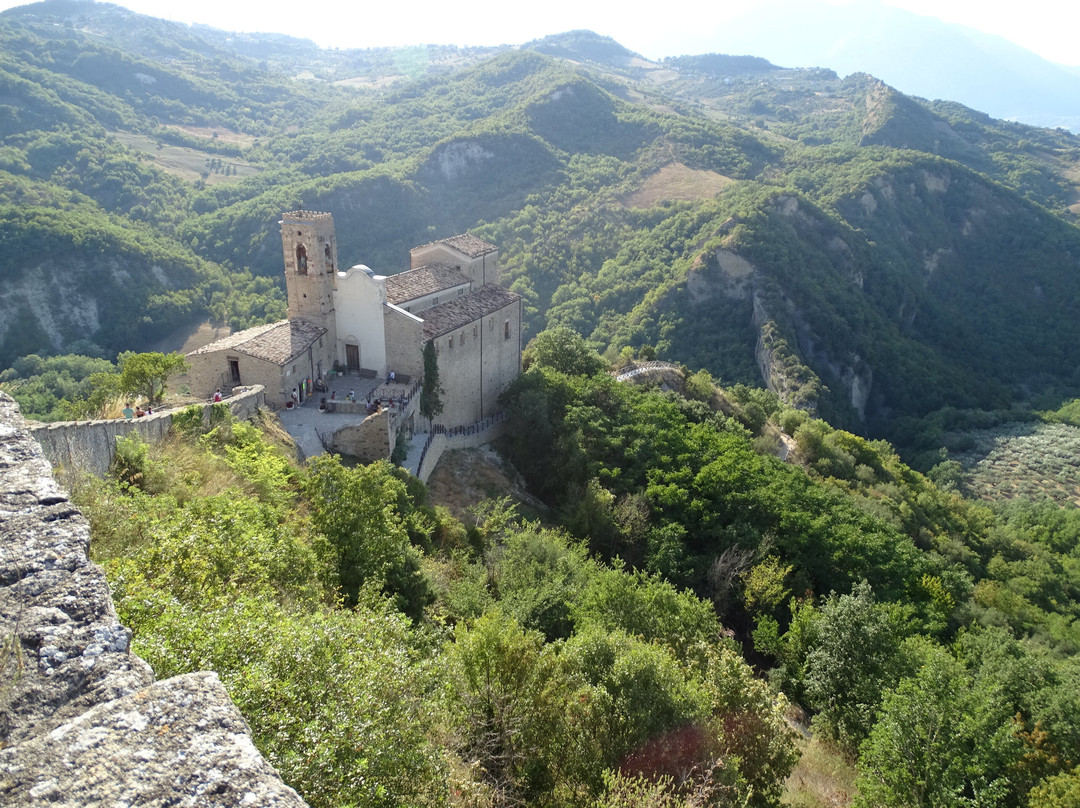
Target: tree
x,y
1060,791
342,704
749,725
519,713
431,403
649,713
854,660
563,349
356,509
914,754
538,573
942,740
104,387
648,607
145,374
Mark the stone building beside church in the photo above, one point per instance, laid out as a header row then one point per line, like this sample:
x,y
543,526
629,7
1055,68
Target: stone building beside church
x,y
370,325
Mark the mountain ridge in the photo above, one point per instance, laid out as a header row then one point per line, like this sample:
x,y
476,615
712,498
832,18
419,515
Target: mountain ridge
x,y
849,199
919,55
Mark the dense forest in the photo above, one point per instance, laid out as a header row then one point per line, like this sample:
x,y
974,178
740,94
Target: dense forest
x,y
881,290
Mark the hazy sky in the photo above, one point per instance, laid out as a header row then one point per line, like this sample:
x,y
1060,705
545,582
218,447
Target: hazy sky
x,y
675,27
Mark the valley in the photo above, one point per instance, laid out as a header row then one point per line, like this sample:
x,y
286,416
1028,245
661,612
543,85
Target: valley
x,y
850,507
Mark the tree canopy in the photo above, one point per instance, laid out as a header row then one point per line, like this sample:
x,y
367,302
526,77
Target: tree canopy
x,y
147,374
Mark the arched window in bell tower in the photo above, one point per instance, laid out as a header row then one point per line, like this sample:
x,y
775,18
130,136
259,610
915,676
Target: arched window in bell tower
x,y
329,258
301,259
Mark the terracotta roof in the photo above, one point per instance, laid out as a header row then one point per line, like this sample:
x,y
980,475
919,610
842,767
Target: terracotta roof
x,y
277,342
469,244
460,311
425,280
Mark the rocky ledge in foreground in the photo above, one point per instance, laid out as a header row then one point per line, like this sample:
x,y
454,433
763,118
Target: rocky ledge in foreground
x,y
82,721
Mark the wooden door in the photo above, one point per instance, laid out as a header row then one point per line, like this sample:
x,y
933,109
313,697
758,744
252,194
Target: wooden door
x,y
352,356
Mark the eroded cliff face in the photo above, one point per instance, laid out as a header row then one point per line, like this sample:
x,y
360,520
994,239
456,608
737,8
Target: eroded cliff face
x,y
61,295
82,721
789,355
58,312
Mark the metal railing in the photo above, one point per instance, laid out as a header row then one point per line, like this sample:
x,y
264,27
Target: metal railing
x,y
387,393
637,370
455,431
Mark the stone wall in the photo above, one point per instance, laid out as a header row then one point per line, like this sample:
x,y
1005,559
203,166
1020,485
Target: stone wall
x,y
477,363
368,441
404,342
460,366
484,269
210,371
82,721
501,355
91,445
460,438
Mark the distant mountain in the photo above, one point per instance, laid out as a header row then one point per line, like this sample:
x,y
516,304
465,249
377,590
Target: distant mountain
x,y
918,55
584,46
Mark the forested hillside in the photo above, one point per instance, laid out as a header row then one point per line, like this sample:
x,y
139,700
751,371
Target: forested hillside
x,y
386,654
899,268
867,255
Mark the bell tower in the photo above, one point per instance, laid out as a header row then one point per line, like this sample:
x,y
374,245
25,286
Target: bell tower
x,y
310,252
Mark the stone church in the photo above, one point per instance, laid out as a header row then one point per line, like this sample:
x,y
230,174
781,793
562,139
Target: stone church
x,y
370,326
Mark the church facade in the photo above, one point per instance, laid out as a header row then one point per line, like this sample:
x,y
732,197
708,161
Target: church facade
x,y
370,325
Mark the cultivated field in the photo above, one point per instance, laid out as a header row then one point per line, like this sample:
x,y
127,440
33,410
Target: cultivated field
x,y
1031,461
191,164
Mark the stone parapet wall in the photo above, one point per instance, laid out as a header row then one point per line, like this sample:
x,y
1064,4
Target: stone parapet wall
x,y
343,406
90,446
368,441
82,721
461,438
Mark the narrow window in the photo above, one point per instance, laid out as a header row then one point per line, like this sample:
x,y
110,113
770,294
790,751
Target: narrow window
x,y
451,345
301,259
506,330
